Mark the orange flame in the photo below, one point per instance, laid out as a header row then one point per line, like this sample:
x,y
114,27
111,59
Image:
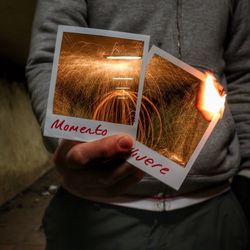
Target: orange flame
x,y
211,98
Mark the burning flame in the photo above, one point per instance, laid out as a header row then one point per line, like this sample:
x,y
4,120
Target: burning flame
x,y
211,98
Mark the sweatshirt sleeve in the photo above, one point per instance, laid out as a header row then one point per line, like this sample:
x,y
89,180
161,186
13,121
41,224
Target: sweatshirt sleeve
x,y
237,57
49,14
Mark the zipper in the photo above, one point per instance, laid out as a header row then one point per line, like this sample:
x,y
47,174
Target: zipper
x,y
178,16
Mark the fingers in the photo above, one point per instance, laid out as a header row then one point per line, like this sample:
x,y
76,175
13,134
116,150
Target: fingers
x,y
117,173
100,150
97,168
62,150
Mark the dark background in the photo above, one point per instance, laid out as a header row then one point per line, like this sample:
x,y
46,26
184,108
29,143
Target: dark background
x,y
15,29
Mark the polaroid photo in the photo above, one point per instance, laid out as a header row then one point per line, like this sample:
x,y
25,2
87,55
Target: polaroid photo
x,y
95,84
171,130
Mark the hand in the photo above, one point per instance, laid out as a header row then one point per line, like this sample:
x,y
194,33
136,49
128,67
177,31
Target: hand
x,y
97,169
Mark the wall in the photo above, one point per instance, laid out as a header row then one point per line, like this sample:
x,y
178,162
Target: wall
x,y
15,27
23,157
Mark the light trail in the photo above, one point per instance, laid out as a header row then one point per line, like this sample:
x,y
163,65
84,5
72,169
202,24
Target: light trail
x,y
123,78
120,105
121,88
114,57
92,86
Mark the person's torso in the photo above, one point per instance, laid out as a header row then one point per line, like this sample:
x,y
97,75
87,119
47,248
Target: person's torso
x,y
194,31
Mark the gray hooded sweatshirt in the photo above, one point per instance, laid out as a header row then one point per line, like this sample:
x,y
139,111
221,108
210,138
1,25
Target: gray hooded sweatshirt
x,y
209,35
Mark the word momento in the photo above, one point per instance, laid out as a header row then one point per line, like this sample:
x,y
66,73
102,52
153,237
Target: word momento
x,y
63,126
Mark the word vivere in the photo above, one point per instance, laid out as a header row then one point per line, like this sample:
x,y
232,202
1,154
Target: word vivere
x,y
148,161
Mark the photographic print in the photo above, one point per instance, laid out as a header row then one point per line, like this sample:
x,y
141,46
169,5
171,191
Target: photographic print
x,y
171,130
95,83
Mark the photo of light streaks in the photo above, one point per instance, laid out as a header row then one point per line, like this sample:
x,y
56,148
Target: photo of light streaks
x,y
169,121
98,78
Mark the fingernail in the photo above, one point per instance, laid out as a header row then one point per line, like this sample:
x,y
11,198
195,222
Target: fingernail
x,y
125,142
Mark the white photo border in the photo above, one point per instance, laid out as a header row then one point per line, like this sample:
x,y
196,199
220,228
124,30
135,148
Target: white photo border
x,y
155,164
112,128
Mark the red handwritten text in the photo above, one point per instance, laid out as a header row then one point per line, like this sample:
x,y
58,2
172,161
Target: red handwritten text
x,y
147,161
61,125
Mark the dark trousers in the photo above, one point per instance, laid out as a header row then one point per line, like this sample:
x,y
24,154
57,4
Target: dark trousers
x,y
241,188
72,223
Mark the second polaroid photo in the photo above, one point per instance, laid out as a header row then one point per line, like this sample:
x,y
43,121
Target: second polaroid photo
x,y
171,129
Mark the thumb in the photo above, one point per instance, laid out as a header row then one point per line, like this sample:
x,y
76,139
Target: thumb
x,y
104,149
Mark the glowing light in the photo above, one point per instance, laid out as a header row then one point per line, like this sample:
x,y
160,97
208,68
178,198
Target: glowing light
x,y
125,101
123,57
122,87
123,78
121,66
211,98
